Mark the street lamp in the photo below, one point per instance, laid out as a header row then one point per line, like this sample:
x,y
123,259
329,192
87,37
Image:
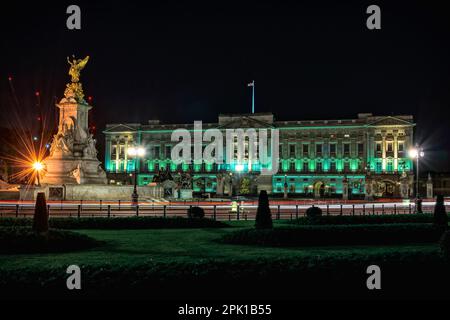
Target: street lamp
x,y
416,153
37,166
136,153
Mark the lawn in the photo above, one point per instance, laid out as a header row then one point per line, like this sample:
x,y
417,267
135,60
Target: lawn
x,y
188,263
185,245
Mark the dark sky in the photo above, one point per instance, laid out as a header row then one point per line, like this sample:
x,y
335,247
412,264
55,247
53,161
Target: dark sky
x,y
181,62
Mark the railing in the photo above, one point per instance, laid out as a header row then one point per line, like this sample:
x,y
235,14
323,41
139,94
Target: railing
x,y
216,211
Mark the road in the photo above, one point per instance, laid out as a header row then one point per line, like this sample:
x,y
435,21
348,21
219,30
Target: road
x,y
221,210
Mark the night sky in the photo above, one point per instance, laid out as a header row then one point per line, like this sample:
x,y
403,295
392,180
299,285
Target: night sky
x,y
181,62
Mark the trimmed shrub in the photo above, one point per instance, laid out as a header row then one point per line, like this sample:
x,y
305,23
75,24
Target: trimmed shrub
x,y
263,218
119,223
365,219
195,213
40,219
26,240
336,235
440,217
445,245
313,213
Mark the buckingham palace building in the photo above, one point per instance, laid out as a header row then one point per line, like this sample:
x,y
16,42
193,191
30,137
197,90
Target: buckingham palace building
x,y
364,157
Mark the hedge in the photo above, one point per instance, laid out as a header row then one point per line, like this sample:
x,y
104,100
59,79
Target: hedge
x,y
403,275
382,234
366,219
25,240
119,223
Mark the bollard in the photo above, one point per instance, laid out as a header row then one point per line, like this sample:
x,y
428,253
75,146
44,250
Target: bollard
x,y
382,209
79,211
17,210
238,212
229,217
164,211
278,213
296,211
373,209
395,209
328,209
364,209
119,205
100,205
137,210
341,210
410,208
215,213
109,211
353,210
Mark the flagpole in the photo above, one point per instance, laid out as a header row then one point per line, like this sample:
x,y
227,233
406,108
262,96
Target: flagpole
x,y
253,96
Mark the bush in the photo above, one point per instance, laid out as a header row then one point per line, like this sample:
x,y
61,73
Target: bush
x,y
195,213
336,235
263,218
26,240
119,223
313,213
440,217
40,220
365,219
445,245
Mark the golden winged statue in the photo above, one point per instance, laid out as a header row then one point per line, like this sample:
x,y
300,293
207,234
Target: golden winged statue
x,y
76,65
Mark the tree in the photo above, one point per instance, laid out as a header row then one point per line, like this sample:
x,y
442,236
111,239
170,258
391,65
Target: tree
x,y
40,219
245,186
440,217
263,215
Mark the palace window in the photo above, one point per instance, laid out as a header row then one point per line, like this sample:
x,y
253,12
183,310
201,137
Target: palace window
x,y
168,151
305,166
319,149
319,167
346,149
156,154
378,147
389,147
333,166
305,150
292,150
360,148
332,148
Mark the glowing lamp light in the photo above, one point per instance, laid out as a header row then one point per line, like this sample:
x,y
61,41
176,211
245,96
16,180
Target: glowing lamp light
x,y
136,152
38,166
239,167
414,153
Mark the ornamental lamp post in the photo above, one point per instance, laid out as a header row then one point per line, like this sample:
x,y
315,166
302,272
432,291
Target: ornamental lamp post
x,y
136,153
416,153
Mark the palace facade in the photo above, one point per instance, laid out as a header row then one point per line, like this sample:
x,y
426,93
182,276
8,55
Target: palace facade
x,y
350,158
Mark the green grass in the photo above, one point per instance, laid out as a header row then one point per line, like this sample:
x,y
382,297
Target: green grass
x,y
128,247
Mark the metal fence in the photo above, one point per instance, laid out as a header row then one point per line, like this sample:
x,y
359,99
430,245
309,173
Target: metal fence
x,y
220,211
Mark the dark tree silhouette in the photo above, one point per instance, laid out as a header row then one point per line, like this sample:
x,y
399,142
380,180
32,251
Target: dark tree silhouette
x,y
440,217
263,215
40,220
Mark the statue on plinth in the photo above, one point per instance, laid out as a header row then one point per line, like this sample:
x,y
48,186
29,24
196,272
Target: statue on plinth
x,y
73,156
